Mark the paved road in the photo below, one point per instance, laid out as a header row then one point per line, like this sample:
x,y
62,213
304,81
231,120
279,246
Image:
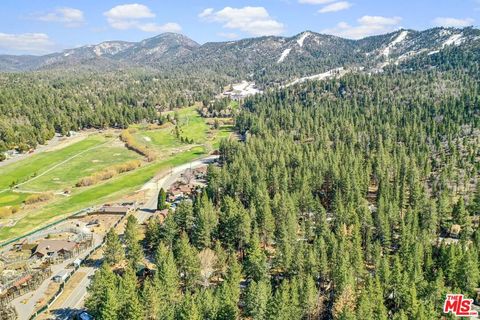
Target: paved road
x,y
26,304
75,300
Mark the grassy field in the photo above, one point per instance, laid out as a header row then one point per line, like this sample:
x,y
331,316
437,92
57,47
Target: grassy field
x,y
61,169
10,198
94,160
97,194
22,170
192,126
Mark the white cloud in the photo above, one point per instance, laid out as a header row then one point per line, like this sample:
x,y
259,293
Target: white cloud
x,y
336,6
378,20
159,28
25,43
315,1
367,26
206,12
70,17
129,11
132,16
255,21
453,22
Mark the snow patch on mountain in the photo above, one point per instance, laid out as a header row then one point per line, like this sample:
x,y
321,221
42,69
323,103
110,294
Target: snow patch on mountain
x,y
284,55
455,40
397,40
111,48
408,55
302,38
241,90
337,72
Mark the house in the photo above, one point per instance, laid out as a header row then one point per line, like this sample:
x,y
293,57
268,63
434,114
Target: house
x,y
174,194
56,249
201,172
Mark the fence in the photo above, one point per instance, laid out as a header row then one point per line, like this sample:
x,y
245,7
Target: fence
x,y
3,244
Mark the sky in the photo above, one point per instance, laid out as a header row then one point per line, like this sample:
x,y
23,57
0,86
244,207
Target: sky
x,y
40,27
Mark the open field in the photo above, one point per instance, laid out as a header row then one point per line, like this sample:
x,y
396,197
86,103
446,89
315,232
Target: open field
x,y
192,127
97,194
10,198
21,171
94,160
60,169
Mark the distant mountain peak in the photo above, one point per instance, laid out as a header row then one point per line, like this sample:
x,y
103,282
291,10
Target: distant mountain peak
x,y
301,55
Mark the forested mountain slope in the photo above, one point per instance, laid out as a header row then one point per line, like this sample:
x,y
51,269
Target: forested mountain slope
x,y
266,60
340,204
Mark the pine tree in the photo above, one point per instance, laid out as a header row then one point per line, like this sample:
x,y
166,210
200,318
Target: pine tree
x,y
113,251
130,308
256,299
278,307
103,285
468,273
168,278
188,262
188,310
109,310
206,222
255,262
162,200
151,300
310,298
134,252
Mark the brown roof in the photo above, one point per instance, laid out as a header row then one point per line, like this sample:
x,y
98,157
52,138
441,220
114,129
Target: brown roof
x,y
21,281
201,170
116,209
186,188
46,246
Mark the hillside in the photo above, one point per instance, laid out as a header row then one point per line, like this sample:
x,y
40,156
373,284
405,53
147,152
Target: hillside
x,y
266,60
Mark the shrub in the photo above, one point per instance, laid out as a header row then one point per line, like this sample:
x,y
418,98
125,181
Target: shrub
x,y
38,197
108,173
130,143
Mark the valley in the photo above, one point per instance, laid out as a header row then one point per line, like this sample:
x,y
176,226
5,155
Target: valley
x,y
294,177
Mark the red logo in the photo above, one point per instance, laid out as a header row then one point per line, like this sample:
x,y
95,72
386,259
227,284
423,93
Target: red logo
x,y
460,307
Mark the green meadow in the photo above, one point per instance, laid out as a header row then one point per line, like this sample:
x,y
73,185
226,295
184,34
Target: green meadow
x,y
86,197
60,169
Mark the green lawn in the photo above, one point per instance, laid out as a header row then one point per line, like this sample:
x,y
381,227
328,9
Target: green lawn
x,y
192,126
69,173
97,194
36,164
10,198
159,139
106,152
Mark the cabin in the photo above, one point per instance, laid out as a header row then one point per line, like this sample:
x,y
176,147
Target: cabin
x,y
201,172
56,249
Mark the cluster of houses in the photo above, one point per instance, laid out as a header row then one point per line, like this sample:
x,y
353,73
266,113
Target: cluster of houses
x,y
188,187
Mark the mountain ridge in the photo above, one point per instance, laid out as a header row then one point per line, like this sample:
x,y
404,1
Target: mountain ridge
x,y
303,54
